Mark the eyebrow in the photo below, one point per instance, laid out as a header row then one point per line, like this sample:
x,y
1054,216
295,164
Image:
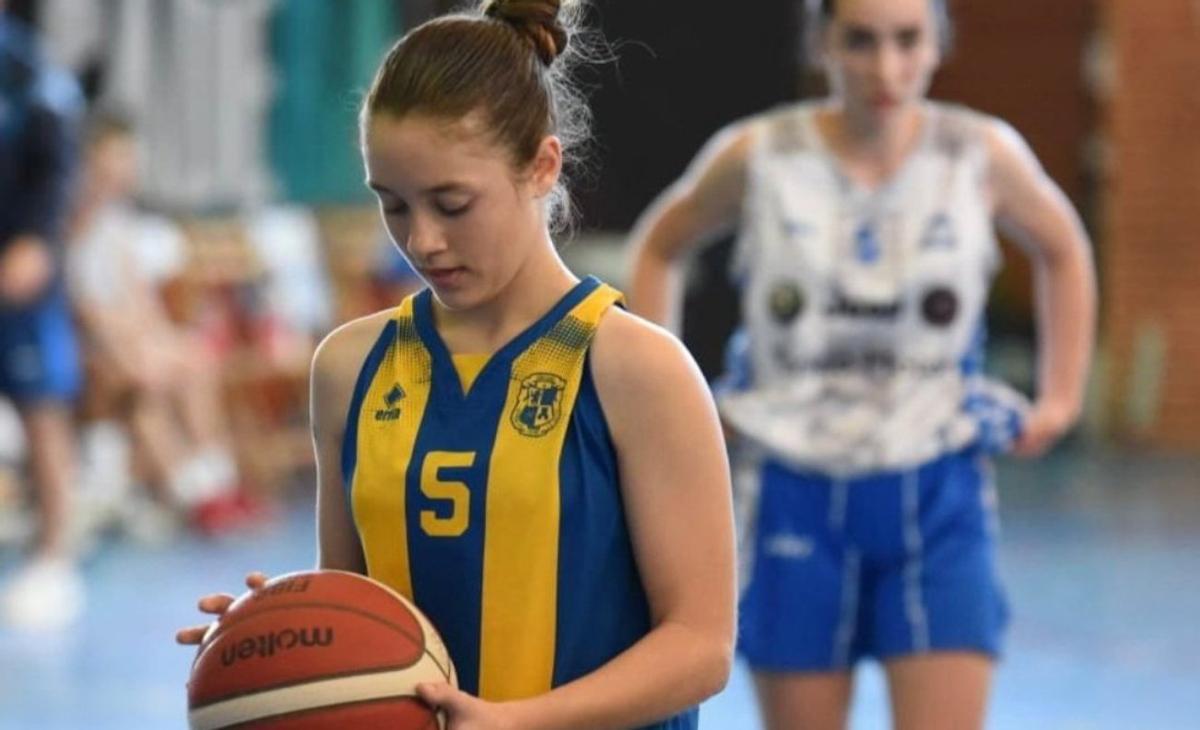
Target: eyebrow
x,y
868,30
447,187
860,29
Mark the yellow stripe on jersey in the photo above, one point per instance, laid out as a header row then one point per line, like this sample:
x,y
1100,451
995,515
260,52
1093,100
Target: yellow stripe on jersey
x,y
468,368
388,423
520,569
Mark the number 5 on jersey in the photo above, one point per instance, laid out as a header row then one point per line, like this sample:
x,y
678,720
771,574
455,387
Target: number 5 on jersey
x,y
456,493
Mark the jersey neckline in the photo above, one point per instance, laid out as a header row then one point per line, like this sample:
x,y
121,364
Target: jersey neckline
x,y
836,165
445,376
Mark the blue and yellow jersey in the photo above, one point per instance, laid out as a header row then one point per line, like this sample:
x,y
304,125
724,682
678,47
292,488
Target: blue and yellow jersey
x,y
492,499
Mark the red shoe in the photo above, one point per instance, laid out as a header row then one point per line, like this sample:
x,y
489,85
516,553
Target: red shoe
x,y
220,515
254,508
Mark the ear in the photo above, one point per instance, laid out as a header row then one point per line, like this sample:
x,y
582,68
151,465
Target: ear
x,y
547,166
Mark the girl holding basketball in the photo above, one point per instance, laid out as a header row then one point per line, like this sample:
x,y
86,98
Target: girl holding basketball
x,y
865,250
542,473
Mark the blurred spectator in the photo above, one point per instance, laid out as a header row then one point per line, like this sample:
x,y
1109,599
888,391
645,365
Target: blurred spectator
x,y
143,371
39,112
392,278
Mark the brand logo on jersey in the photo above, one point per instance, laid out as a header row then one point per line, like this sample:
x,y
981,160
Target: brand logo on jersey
x,y
939,233
392,401
867,247
786,301
843,305
939,306
788,546
539,407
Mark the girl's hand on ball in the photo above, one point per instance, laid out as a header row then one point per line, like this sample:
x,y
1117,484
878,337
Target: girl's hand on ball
x,y
215,604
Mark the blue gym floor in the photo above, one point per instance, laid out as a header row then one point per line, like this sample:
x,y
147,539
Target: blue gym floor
x,y
1101,554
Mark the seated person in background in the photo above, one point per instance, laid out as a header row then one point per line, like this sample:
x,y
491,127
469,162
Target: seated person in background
x,y
144,370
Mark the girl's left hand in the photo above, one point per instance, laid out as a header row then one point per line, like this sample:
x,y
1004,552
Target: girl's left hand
x,y
464,711
1043,426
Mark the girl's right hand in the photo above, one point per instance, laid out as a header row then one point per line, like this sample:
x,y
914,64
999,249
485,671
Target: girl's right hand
x,y
216,604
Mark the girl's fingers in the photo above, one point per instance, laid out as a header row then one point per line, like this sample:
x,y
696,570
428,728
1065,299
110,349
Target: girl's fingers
x,y
216,603
190,635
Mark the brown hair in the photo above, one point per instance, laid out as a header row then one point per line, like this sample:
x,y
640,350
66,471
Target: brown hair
x,y
509,60
820,12
106,123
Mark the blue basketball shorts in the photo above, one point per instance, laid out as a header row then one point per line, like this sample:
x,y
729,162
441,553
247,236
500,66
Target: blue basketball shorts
x,y
39,358
883,566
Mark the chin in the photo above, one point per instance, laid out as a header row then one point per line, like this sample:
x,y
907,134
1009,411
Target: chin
x,y
458,298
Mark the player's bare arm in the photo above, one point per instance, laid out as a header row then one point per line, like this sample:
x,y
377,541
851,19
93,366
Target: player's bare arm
x,y
335,370
700,206
1036,212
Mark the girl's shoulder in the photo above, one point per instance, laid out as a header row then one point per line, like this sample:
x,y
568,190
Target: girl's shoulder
x,y
955,125
341,353
636,364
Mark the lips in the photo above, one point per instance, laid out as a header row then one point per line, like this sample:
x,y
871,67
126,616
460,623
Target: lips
x,y
445,276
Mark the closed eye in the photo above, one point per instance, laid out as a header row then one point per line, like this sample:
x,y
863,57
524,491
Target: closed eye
x,y
453,211
394,208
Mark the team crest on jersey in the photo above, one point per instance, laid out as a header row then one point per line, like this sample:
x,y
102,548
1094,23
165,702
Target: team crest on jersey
x,y
540,404
392,402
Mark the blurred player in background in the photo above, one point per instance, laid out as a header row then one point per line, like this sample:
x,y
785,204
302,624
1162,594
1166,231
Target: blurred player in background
x,y
40,110
856,394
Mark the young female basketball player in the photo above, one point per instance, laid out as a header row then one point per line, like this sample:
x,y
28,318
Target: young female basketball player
x,y
865,250
542,473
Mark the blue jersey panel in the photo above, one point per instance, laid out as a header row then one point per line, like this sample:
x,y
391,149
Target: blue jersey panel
x,y
591,629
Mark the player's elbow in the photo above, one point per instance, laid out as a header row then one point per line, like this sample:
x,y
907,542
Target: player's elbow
x,y
723,664
664,234
714,667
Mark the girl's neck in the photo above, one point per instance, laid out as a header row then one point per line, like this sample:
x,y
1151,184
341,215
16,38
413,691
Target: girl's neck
x,y
537,286
871,151
884,138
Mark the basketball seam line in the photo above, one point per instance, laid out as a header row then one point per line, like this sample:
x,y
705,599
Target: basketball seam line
x,y
301,682
203,717
341,705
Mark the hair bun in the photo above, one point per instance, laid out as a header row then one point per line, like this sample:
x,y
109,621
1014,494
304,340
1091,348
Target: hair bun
x,y
535,19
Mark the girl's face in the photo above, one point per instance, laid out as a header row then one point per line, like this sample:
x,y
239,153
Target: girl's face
x,y
880,55
455,206
112,166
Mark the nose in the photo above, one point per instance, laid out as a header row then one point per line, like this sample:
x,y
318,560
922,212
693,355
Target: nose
x,y
888,64
425,239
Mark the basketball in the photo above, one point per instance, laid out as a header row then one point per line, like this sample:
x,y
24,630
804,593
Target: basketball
x,y
317,649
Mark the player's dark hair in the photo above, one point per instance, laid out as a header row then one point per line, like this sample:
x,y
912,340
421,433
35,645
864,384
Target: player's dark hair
x,y
820,12
507,59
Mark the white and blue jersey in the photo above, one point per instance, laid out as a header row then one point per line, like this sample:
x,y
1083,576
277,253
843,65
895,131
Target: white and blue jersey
x,y
857,390
863,309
